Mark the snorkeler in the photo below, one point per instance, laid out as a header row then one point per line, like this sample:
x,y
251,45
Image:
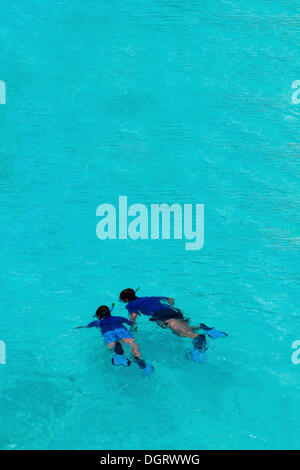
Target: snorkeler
x,y
114,332
162,311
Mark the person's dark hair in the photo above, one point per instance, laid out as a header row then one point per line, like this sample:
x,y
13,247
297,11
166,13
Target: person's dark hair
x,y
128,294
102,311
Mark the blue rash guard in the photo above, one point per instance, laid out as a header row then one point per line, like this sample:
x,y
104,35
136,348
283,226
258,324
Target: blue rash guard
x,y
157,308
147,305
112,328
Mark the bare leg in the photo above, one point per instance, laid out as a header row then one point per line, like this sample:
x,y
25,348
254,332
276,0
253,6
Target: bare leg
x,y
180,328
137,355
134,346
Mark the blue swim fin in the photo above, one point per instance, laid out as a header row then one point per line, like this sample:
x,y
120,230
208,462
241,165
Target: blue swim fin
x,y
212,332
198,353
200,343
119,359
148,368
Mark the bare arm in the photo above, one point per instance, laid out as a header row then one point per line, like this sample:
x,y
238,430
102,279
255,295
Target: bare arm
x,y
133,317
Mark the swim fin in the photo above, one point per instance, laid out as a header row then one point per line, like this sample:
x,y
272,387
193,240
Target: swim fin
x,y
198,353
212,332
148,368
119,359
200,343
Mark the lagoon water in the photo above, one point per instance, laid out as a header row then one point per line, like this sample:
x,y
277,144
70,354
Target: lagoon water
x,y
164,101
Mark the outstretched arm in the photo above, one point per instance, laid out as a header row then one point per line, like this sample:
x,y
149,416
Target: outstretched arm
x,y
90,325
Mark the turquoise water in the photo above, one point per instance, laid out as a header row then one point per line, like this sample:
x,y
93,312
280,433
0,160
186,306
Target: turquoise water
x,y
162,101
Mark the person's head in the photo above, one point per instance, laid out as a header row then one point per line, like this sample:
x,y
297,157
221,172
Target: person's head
x,y
127,295
102,311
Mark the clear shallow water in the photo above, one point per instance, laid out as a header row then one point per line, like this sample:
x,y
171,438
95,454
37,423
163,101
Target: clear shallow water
x,y
162,101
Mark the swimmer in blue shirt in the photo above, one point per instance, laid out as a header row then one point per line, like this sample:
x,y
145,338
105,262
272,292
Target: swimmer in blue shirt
x,y
114,332
162,311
